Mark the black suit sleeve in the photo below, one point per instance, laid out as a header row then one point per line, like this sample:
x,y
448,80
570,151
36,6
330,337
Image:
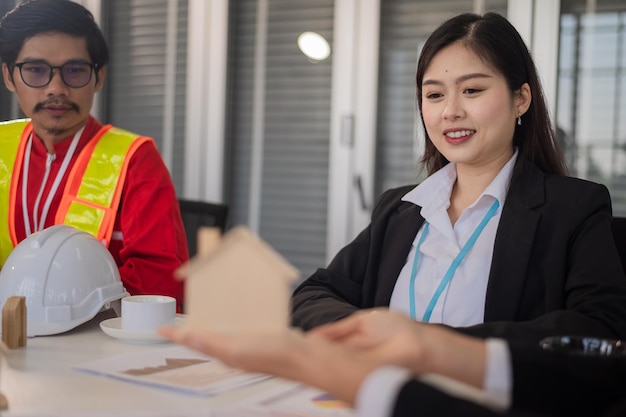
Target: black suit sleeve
x,y
544,384
350,282
567,384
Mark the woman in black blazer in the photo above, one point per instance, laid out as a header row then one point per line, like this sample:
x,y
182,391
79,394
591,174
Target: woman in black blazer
x,y
544,262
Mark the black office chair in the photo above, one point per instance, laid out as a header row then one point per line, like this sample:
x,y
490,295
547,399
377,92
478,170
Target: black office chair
x,y
619,234
196,214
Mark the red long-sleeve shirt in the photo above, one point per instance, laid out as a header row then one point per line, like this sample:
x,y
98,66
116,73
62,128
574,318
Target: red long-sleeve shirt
x,y
148,241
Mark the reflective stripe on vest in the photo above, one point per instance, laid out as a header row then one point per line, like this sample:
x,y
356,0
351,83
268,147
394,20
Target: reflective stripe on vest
x,y
94,187
10,133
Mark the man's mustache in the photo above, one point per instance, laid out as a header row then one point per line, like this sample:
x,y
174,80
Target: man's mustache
x,y
55,103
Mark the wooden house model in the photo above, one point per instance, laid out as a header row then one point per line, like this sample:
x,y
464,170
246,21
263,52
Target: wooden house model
x,y
240,285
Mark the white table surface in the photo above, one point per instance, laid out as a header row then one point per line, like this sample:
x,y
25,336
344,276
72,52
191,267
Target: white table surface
x,y
39,380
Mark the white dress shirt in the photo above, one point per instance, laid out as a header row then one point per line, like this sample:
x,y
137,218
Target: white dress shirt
x,y
462,302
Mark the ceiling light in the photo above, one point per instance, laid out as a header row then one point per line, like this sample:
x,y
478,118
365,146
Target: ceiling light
x,y
314,46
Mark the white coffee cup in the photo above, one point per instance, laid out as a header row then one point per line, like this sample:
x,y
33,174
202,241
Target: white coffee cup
x,y
146,313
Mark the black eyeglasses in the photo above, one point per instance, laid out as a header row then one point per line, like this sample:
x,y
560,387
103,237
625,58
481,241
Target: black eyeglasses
x,y
38,74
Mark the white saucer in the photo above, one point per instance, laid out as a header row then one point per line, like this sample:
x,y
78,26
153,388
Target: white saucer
x,y
113,327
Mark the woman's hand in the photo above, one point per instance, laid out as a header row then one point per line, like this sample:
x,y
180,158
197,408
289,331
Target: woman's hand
x,y
391,338
387,337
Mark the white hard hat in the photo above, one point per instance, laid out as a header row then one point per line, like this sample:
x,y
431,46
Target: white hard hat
x,y
67,276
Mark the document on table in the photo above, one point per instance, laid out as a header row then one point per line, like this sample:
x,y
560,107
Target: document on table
x,y
288,400
176,368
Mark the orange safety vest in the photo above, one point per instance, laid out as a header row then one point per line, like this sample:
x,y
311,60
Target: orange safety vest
x,y
94,187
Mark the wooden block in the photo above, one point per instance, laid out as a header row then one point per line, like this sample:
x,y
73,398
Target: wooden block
x,y
14,322
208,240
4,404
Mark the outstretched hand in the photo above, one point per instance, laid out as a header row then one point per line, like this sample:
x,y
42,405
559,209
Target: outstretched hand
x,y
266,353
289,354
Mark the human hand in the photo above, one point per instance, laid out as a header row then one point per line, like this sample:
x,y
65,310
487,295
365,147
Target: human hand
x,y
289,354
386,337
260,352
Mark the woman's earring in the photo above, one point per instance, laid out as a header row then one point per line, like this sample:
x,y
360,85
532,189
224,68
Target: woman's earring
x,y
519,120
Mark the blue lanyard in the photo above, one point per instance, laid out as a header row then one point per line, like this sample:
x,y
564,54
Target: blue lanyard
x,y
453,267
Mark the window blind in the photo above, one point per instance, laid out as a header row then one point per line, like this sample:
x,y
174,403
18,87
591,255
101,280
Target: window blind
x,y
294,182
7,105
136,31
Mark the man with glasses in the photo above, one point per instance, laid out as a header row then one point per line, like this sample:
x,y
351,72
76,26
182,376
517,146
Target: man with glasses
x,y
61,166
